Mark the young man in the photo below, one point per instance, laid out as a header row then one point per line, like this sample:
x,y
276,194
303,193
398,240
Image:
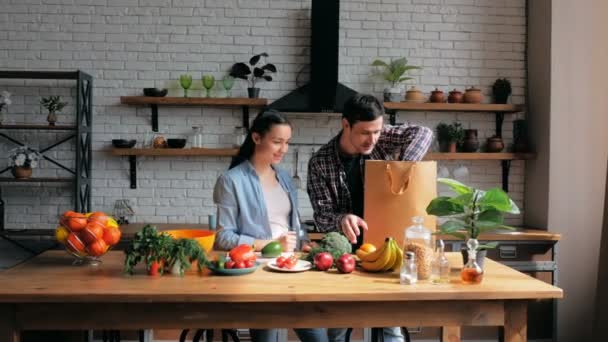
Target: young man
x,y
335,172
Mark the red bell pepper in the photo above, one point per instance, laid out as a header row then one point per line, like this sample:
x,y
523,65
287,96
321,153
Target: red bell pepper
x,y
242,253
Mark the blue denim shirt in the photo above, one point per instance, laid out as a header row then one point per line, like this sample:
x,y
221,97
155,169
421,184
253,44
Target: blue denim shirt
x,y
241,209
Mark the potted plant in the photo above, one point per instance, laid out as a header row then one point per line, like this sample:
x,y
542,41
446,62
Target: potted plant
x,y
150,246
23,159
253,73
449,136
5,101
471,212
53,104
393,72
501,90
182,253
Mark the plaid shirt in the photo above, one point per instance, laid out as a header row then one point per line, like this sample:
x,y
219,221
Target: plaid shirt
x,y
327,187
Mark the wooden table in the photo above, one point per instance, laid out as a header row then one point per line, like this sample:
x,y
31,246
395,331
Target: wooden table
x,y
48,292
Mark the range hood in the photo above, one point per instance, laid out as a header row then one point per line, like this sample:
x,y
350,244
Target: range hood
x,y
322,93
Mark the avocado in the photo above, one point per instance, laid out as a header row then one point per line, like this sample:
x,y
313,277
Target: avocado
x,y
272,249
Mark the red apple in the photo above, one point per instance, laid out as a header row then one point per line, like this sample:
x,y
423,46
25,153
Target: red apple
x,y
323,261
346,263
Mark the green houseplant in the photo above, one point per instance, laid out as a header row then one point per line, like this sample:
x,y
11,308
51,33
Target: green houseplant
x,y
449,136
53,104
471,212
501,90
182,253
253,73
393,72
151,247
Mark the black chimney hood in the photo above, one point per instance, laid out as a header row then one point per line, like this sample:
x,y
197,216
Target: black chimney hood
x,y
323,93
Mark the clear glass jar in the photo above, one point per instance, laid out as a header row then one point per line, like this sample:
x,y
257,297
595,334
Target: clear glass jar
x,y
408,275
418,239
196,137
472,273
440,269
240,133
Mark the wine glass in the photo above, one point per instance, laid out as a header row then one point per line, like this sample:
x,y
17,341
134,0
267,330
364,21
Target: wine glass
x,y
185,81
228,83
208,83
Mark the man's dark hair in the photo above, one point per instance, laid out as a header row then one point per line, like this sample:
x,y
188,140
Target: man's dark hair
x,y
362,107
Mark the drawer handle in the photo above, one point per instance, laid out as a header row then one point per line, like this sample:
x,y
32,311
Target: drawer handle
x,y
507,252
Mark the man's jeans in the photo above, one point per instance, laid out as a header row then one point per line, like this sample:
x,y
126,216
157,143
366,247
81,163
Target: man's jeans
x,y
389,334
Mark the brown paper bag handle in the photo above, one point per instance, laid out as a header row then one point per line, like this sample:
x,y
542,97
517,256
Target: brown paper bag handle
x,y
405,184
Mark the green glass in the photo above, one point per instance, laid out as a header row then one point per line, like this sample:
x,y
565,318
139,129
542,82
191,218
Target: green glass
x,y
208,83
185,81
228,83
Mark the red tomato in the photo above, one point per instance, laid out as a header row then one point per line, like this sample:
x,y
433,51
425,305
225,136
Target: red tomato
x,y
290,262
229,264
240,264
249,263
281,261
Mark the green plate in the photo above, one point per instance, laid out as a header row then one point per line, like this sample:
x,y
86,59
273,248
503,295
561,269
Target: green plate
x,y
234,271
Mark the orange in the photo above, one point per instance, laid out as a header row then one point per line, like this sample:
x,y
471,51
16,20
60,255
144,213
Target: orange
x,y
111,236
99,217
74,244
97,248
92,232
76,224
367,247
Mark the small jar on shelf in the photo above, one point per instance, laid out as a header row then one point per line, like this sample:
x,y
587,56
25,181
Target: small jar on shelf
x,y
196,137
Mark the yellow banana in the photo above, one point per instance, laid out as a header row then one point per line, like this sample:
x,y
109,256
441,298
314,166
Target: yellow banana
x,y
393,257
380,263
397,265
375,255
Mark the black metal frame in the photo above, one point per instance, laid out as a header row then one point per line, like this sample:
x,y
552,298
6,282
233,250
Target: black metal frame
x,y
154,113
83,133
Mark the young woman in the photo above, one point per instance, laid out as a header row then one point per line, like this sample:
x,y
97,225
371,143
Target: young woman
x,y
257,203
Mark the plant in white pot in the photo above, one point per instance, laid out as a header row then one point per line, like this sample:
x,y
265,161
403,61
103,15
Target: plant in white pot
x,y
253,73
393,72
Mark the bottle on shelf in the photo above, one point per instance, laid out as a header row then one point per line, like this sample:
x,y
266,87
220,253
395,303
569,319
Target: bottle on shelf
x,y
196,138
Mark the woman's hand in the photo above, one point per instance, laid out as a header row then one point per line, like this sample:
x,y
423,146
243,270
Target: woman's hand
x,y
288,241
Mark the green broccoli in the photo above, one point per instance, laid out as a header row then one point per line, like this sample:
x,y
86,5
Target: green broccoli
x,y
335,243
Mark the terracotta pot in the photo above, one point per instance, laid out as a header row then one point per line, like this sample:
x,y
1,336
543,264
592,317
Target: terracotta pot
x,y
21,172
455,96
470,144
51,118
494,144
447,146
437,96
472,95
414,95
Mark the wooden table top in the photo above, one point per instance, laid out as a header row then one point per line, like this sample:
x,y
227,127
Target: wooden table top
x,y
51,277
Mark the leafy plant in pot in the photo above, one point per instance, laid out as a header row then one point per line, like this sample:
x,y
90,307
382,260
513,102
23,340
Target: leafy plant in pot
x,y
151,247
472,212
53,104
253,74
449,136
501,90
393,72
182,253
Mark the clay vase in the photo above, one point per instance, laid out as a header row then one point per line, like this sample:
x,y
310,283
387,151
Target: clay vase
x,y
448,146
471,143
21,172
472,95
455,96
494,144
414,95
51,118
437,96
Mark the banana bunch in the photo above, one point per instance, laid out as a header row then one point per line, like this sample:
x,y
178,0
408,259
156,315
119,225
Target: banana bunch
x,y
388,257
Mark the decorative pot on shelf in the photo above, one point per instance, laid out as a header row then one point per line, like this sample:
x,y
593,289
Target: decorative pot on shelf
x,y
471,143
437,96
21,172
392,94
447,146
52,118
494,144
455,96
472,95
414,95
253,93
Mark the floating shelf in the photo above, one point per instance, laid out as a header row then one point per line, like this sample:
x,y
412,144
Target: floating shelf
x,y
154,102
453,107
37,180
479,156
132,153
40,127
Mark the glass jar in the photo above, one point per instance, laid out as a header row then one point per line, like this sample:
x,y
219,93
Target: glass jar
x,y
418,239
408,275
196,137
471,272
440,269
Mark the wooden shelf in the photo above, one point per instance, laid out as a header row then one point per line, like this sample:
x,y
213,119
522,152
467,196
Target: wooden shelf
x,y
479,156
36,180
454,107
194,101
221,152
40,127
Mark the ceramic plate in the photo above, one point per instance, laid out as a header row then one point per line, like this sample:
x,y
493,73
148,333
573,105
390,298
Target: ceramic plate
x,y
301,266
234,271
264,260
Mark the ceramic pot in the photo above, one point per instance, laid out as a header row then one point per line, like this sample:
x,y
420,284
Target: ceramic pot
x,y
437,96
447,146
471,143
455,96
51,118
494,144
22,172
414,95
253,93
392,95
472,95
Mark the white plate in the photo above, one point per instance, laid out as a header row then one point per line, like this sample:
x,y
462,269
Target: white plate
x,y
261,259
301,266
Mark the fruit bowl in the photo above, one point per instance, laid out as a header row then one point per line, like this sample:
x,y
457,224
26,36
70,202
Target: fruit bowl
x,y
205,238
87,236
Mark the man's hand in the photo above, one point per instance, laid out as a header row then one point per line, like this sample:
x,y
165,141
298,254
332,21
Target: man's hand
x,y
350,226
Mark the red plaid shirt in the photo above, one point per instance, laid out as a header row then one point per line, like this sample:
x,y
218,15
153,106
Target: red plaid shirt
x,y
327,187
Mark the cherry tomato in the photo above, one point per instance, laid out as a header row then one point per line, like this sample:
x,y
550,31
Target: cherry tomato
x,y
290,262
249,263
240,264
281,261
229,264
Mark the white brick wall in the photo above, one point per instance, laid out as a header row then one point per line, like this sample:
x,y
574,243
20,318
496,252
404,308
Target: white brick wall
x,y
131,44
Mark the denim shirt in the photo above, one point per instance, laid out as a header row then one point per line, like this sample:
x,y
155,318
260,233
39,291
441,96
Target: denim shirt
x,y
241,208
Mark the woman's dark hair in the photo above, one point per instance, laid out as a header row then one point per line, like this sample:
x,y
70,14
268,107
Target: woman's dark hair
x,y
362,107
261,125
